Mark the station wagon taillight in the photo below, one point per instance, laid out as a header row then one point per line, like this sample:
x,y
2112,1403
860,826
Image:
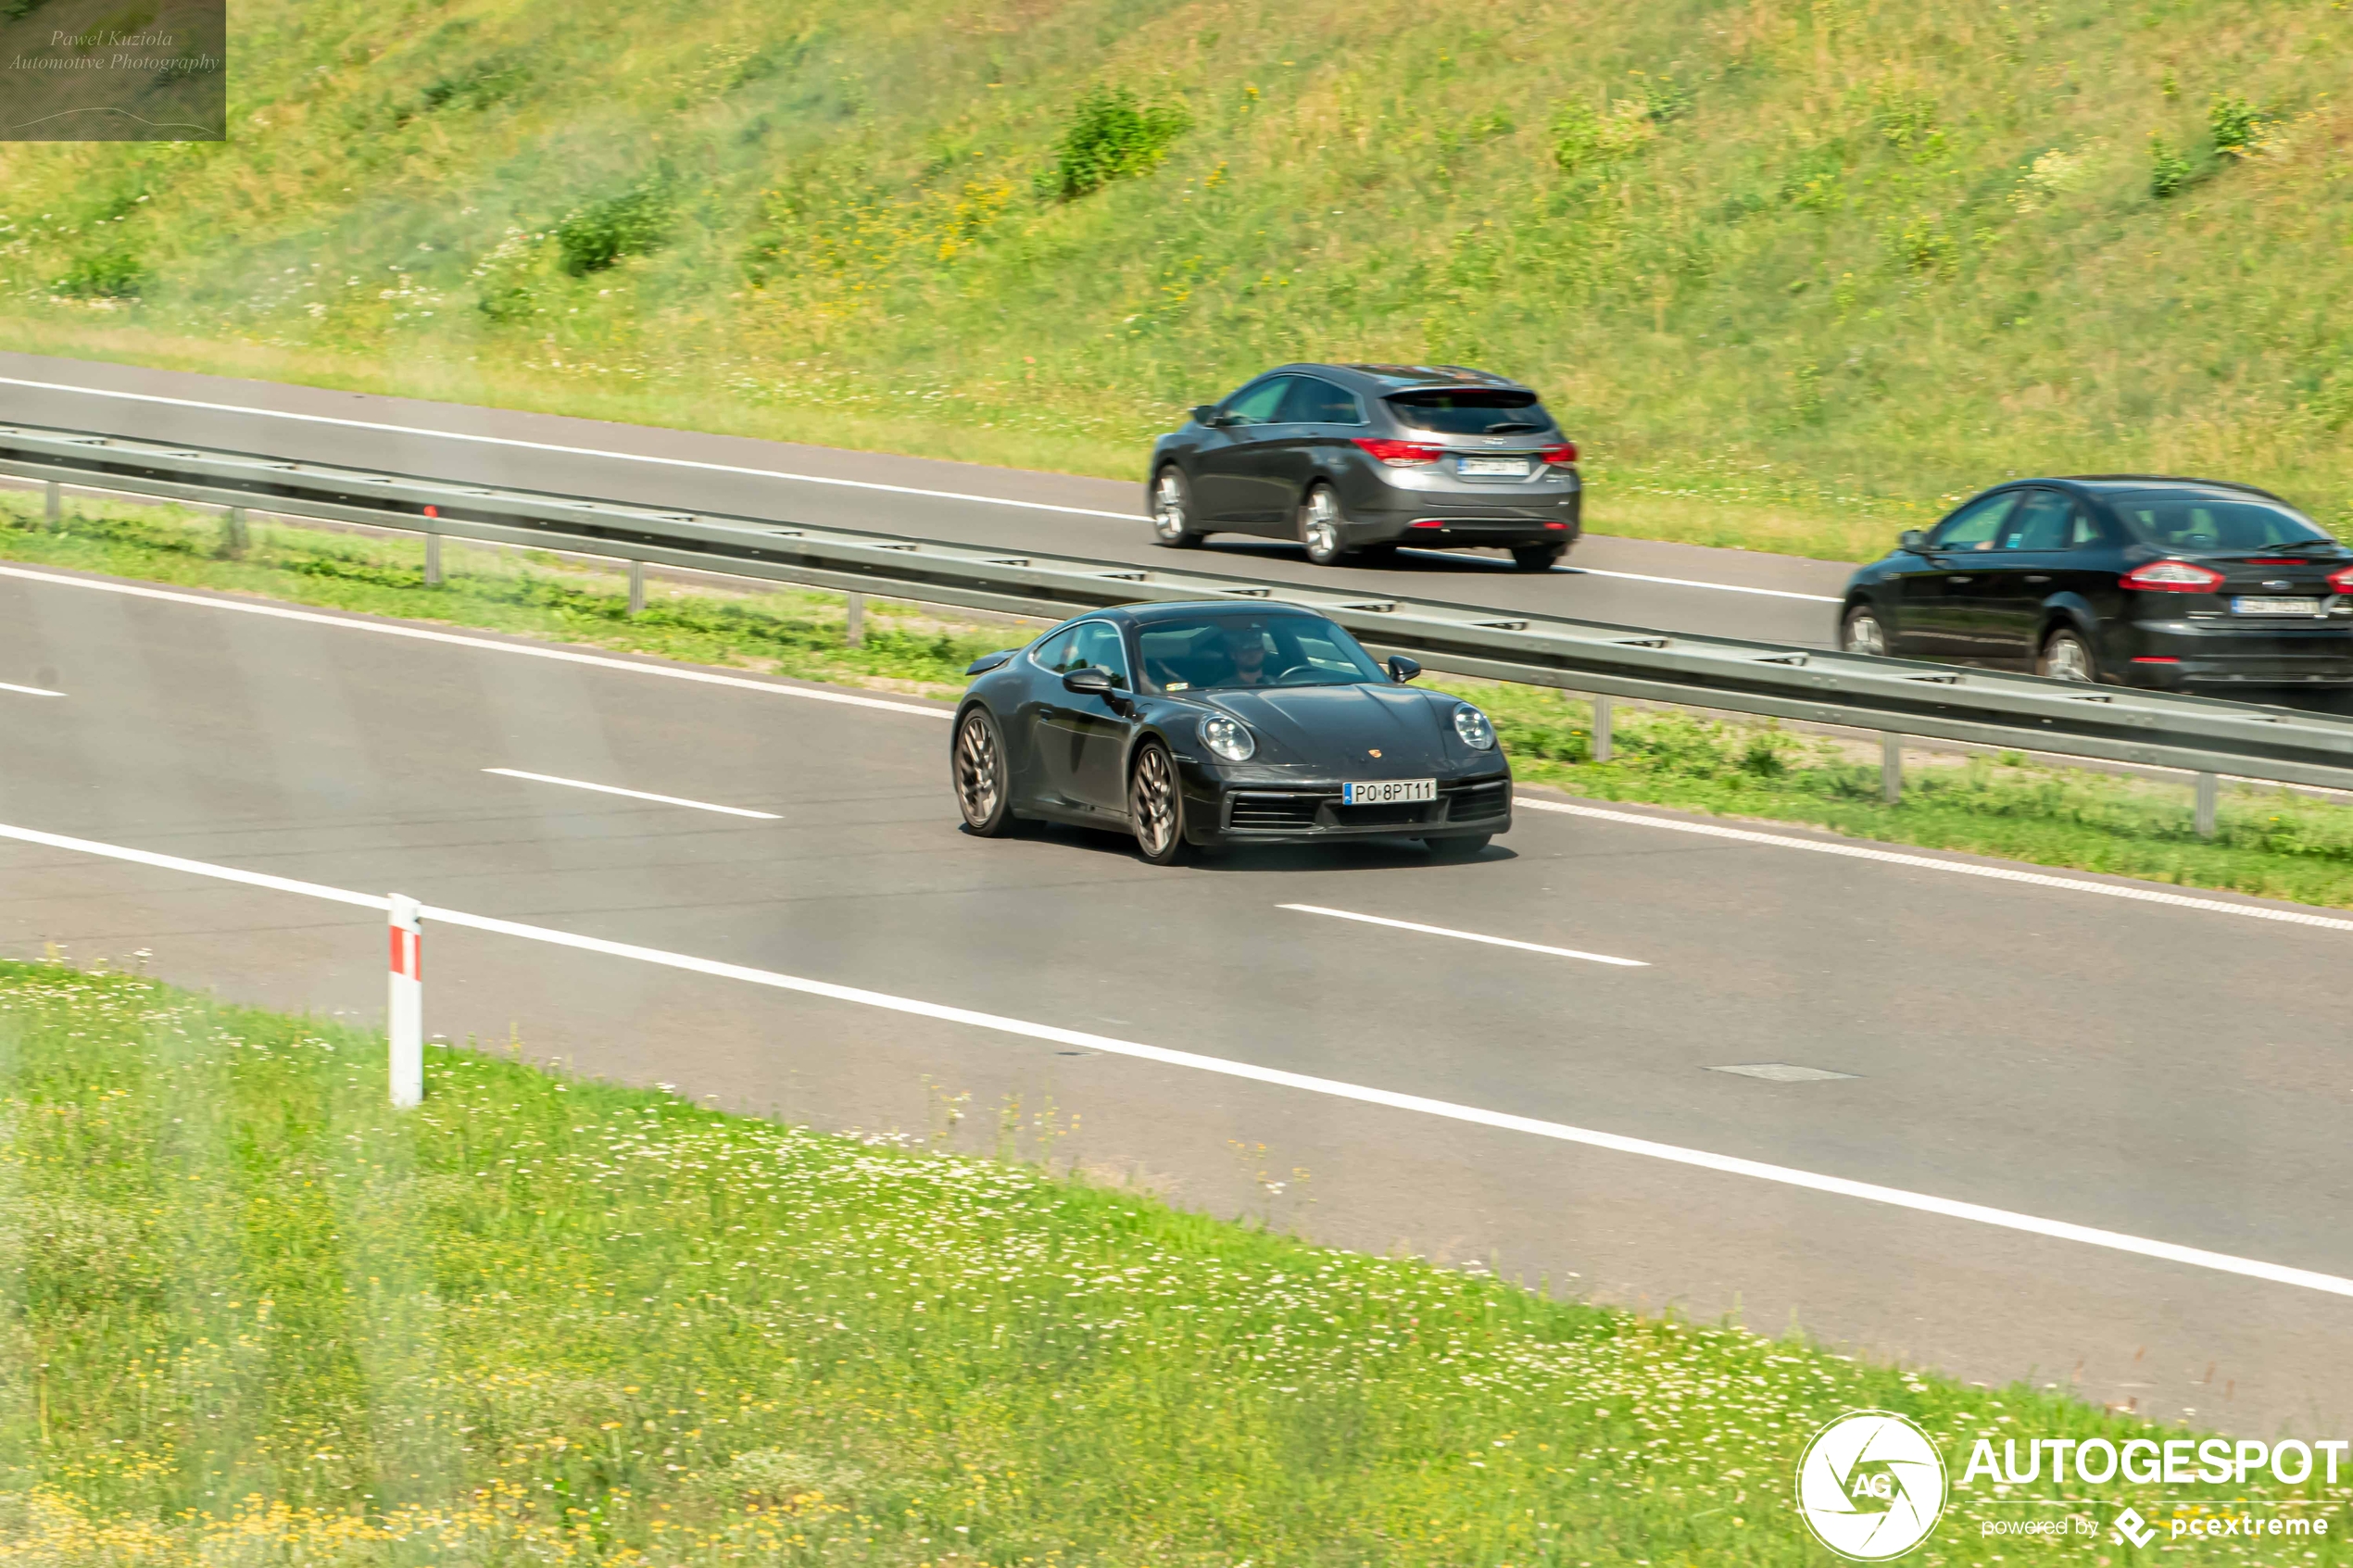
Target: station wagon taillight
x,y
1563,454
2342,579
1400,454
2173,577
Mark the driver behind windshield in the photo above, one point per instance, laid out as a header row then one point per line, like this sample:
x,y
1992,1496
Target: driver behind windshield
x,y
1246,651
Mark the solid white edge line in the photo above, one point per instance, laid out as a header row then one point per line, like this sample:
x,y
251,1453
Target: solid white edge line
x,y
1691,583
740,468
29,691
1465,936
1958,868
633,794
529,650
563,450
2060,1230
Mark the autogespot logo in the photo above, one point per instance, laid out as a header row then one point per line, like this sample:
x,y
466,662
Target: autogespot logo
x,y
1871,1485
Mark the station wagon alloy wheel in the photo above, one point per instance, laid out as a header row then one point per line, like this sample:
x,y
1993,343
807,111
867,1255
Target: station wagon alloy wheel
x,y
1319,526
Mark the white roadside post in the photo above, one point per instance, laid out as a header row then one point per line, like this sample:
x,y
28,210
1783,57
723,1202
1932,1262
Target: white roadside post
x,y
406,1014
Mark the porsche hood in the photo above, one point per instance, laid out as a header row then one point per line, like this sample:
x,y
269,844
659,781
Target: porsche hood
x,y
1340,727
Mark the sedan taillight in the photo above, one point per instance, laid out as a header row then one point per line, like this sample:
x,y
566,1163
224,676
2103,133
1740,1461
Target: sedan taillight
x,y
1400,454
2342,579
1562,454
2173,577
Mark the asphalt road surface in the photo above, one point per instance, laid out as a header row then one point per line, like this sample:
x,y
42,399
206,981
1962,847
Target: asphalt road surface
x,y
1629,581
2160,1065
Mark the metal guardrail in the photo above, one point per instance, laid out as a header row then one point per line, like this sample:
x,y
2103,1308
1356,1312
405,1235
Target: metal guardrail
x,y
1895,696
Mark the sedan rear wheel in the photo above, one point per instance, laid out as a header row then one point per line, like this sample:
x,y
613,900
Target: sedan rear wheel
x,y
1173,511
1319,523
976,766
1537,557
1156,805
2067,657
1861,632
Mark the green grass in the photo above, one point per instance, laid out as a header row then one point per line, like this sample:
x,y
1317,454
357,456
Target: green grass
x,y
252,1315
1793,273
2270,843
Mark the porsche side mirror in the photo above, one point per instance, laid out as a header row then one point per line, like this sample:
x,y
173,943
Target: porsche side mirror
x,y
1913,540
1401,670
1095,681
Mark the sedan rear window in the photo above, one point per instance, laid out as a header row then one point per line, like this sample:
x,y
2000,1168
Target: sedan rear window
x,y
1471,412
2174,520
1214,652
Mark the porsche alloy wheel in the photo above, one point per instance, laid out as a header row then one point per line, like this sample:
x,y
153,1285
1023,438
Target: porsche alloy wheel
x,y
1155,807
1173,511
978,767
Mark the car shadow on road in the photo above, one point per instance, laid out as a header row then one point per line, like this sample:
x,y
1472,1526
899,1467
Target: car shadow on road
x,y
1349,855
1406,559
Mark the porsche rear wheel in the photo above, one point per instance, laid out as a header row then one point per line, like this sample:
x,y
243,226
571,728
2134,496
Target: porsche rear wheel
x,y
976,766
1156,805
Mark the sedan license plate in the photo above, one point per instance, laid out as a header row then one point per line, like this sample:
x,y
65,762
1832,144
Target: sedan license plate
x,y
2275,606
1493,468
1386,792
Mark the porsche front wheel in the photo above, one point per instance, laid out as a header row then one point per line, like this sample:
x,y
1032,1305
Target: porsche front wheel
x,y
976,766
1156,805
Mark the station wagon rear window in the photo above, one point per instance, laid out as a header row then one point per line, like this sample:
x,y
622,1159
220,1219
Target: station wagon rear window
x,y
1471,411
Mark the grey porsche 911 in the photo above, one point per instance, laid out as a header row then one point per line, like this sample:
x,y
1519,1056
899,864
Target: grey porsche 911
x,y
1210,723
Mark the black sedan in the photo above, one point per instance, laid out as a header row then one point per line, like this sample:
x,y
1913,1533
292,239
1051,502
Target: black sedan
x,y
1358,460
2131,579
1214,724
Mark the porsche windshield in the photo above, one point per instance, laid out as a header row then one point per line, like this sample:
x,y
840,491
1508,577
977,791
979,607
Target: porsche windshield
x,y
1221,652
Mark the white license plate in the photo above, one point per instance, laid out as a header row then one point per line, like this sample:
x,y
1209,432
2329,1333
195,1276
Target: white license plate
x,y
1493,468
2275,606
1386,792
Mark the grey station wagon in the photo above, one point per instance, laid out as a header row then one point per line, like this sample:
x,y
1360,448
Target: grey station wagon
x,y
1355,460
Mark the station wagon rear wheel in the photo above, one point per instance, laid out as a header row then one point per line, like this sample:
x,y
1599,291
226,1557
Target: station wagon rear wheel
x,y
1319,521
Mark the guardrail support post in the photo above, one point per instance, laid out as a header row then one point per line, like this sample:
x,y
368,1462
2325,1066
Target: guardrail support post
x,y
1599,748
233,537
854,634
2208,791
1891,766
53,504
637,587
432,560
405,1014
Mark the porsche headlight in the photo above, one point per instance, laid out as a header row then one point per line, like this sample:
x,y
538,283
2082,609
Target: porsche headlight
x,y
1227,737
1472,725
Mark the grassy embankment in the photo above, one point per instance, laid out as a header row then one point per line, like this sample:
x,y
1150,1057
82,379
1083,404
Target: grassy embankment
x,y
2270,843
252,1316
1793,273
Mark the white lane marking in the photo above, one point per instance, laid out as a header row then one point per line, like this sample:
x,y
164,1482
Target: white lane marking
x,y
29,691
1466,936
1689,583
566,451
632,793
1869,1192
1637,577
281,613
1998,874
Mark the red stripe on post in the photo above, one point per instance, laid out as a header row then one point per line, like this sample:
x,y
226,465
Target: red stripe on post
x,y
407,954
